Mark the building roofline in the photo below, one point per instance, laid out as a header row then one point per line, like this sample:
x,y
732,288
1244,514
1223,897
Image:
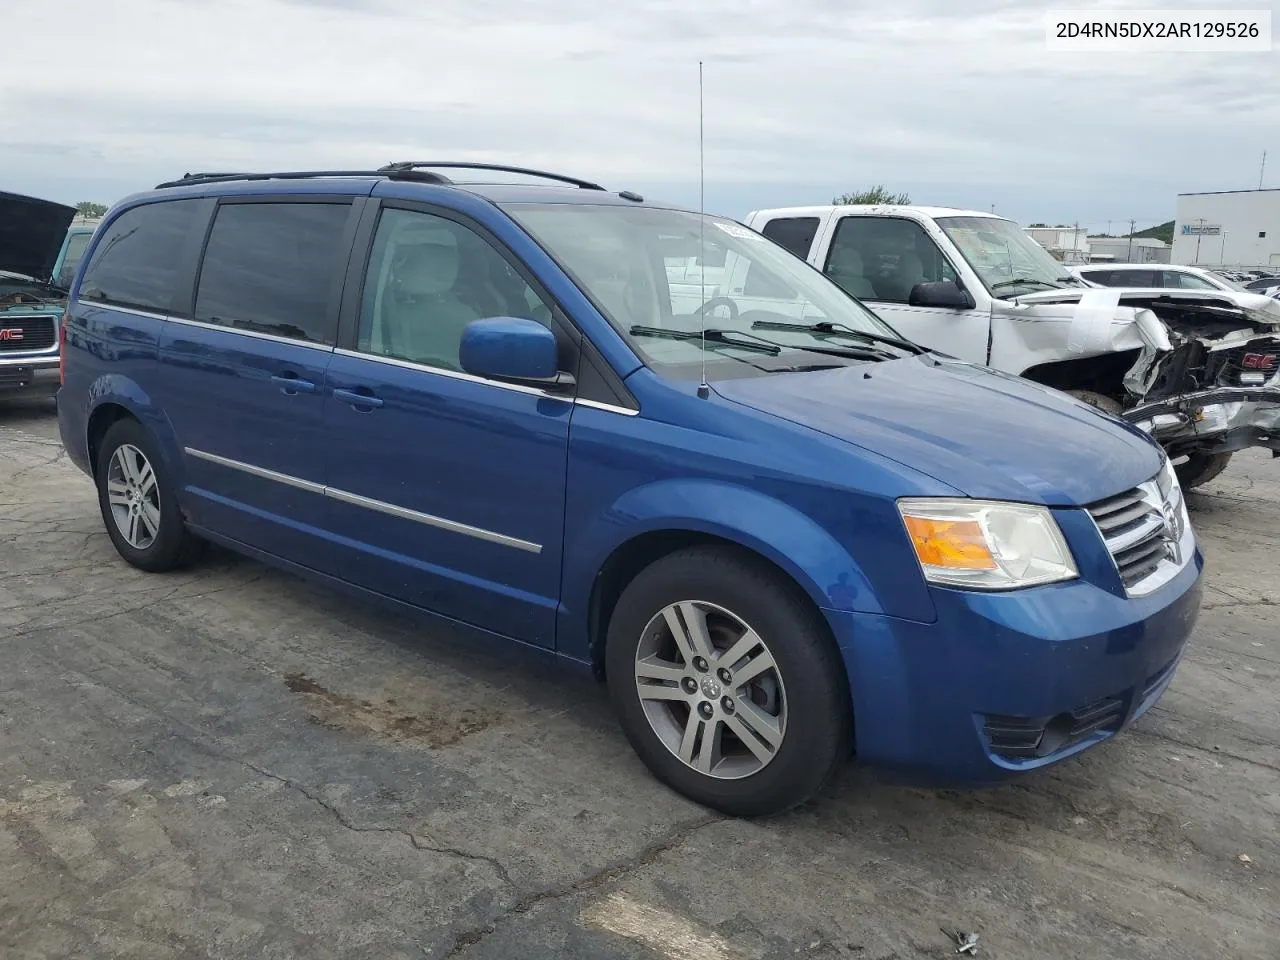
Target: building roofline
x,y
1215,193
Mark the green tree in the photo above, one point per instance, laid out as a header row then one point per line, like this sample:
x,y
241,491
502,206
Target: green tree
x,y
90,210
876,195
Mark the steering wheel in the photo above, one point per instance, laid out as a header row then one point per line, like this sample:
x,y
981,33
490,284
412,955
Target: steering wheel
x,y
718,302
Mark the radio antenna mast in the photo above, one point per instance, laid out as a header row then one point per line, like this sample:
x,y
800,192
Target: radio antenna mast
x,y
703,389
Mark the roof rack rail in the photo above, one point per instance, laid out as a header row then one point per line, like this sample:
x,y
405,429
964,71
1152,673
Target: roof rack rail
x,y
189,179
411,166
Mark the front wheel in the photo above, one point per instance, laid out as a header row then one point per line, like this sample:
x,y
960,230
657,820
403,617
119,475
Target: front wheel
x,y
727,683
1200,468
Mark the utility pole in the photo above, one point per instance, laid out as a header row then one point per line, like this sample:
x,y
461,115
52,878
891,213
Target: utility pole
x,y
1108,228
1199,237
1263,170
1222,254
1129,256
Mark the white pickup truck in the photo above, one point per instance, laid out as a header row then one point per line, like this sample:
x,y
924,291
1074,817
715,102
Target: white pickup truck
x,y
1197,369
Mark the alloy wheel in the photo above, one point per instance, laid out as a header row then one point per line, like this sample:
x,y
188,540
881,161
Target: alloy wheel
x,y
711,689
134,496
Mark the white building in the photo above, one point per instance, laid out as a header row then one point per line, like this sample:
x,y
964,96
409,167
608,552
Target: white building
x,y
1068,244
1128,250
1237,228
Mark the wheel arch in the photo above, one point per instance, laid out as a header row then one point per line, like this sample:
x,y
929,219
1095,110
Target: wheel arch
x,y
1102,374
804,556
116,398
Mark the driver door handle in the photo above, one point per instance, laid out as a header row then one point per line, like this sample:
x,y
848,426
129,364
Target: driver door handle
x,y
359,398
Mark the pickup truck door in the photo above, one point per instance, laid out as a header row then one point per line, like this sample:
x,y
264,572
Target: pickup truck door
x,y
878,259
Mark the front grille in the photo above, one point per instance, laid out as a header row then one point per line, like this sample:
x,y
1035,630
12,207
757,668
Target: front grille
x,y
1135,532
1251,365
27,334
1028,738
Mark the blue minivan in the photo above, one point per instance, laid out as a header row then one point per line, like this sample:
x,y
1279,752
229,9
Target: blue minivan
x,y
782,534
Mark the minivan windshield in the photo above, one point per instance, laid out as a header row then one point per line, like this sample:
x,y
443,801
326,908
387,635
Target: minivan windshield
x,y
1006,260
659,274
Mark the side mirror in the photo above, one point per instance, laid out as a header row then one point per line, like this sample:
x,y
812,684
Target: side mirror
x,y
940,293
513,349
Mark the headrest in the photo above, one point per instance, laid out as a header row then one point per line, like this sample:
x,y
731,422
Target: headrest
x,y
426,264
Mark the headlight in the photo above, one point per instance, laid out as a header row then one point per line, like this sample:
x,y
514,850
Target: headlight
x,y
1171,493
986,545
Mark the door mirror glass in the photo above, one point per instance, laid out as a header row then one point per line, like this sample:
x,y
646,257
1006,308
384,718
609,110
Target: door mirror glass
x,y
513,349
940,293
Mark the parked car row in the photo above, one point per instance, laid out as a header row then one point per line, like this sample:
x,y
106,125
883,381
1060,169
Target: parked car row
x,y
660,446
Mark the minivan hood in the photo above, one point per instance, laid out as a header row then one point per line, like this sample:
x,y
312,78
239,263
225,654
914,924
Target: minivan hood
x,y
985,433
31,234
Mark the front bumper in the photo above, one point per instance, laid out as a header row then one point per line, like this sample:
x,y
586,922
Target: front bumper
x,y
29,375
1002,683
1214,421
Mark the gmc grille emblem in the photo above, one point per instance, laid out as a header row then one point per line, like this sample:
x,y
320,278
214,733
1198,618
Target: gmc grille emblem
x,y
11,334
1251,361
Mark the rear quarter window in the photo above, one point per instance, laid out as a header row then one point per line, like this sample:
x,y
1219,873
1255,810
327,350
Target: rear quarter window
x,y
136,262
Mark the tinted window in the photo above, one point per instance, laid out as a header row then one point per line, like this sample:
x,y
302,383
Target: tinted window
x,y
1136,278
1103,277
428,277
882,258
76,245
136,262
271,267
1187,281
794,233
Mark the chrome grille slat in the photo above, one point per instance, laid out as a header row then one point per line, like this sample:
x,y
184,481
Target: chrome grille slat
x,y
1135,526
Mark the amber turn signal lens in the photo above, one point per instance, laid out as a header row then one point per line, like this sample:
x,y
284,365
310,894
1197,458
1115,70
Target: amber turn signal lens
x,y
950,544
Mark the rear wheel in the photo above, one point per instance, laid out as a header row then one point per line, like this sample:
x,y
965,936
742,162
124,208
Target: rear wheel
x,y
137,501
727,683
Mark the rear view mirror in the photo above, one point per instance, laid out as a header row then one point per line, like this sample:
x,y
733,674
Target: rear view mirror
x,y
940,293
512,349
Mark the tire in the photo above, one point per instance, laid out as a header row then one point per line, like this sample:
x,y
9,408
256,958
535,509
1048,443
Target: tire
x,y
802,702
1200,468
137,501
1099,400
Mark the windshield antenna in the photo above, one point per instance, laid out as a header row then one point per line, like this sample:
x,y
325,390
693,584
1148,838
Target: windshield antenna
x,y
704,390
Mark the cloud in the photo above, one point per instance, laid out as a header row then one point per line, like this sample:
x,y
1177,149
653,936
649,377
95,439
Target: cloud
x,y
804,98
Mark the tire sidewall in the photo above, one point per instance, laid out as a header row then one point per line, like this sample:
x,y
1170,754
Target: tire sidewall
x,y
818,729
166,549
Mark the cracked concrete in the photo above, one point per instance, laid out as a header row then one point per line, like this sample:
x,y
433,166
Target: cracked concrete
x,y
229,762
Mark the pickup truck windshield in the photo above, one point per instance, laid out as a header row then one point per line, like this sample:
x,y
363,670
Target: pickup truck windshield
x,y
1006,260
647,267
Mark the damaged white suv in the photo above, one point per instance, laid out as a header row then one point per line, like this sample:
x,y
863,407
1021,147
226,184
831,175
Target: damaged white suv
x,y
1197,369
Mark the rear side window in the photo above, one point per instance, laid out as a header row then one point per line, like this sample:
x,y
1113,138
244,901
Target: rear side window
x,y
271,268
794,233
1186,281
136,262
1097,276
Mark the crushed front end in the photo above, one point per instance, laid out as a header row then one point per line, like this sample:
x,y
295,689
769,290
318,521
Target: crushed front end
x,y
1215,387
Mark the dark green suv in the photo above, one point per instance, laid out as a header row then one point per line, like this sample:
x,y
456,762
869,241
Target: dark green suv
x,y
32,234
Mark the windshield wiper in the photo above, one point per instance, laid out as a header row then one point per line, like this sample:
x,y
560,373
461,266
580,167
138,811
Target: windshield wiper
x,y
719,337
1020,281
826,326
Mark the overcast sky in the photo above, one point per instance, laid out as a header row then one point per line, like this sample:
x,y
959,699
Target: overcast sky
x,y
804,98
